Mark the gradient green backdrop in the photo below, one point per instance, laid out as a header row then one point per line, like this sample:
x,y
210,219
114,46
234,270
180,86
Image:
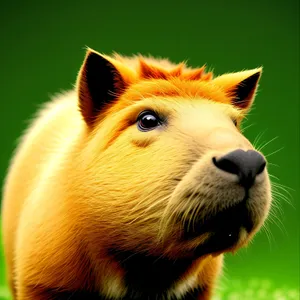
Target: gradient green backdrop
x,y
42,47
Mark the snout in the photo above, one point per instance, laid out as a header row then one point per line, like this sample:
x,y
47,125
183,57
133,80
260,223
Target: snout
x,y
246,165
226,195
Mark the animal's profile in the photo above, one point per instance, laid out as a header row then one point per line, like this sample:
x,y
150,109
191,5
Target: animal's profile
x,y
134,184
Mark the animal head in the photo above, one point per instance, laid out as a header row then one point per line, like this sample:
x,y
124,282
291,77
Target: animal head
x,y
164,168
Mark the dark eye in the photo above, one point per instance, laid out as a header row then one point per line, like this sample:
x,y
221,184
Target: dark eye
x,y
148,120
235,122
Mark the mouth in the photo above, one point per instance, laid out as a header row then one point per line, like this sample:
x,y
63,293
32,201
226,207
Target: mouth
x,y
224,228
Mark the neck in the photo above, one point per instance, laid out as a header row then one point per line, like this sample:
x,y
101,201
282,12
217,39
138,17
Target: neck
x,y
149,277
146,277
78,295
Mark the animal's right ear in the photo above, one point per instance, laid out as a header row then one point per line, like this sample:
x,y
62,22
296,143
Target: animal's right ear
x,y
99,85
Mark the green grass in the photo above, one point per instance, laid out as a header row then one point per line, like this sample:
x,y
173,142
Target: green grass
x,y
255,289
4,293
236,290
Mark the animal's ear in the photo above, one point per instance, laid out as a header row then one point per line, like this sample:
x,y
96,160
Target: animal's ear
x,y
240,86
99,84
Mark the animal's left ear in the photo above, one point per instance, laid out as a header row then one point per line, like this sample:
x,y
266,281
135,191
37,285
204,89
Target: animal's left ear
x,y
240,86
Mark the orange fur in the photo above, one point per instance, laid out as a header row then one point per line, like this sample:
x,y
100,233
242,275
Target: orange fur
x,y
85,185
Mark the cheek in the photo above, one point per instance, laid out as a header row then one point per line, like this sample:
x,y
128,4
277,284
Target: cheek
x,y
137,168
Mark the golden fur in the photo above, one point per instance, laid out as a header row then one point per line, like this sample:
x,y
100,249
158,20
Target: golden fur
x,y
82,182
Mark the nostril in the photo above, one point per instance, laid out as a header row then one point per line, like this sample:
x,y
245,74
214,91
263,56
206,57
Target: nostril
x,y
226,165
261,168
255,162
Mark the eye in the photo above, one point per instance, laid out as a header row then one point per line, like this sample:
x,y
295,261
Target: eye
x,y
148,120
235,122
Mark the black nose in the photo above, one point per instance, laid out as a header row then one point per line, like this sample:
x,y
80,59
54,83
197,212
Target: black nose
x,y
246,164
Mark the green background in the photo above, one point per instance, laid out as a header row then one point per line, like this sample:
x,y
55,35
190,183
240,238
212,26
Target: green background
x,y
42,47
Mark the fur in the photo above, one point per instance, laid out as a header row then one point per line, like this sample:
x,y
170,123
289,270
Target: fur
x,y
93,205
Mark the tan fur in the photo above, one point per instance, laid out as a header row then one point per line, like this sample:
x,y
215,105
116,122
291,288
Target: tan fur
x,y
79,185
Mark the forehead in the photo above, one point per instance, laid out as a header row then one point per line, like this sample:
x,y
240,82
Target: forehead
x,y
175,88
178,106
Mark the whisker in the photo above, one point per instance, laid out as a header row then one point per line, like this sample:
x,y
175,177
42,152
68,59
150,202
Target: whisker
x,y
273,176
272,164
272,153
267,143
283,197
283,187
276,205
273,218
247,127
257,139
269,234
191,217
